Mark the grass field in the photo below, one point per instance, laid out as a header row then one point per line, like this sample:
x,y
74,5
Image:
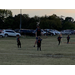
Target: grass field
x,y
51,54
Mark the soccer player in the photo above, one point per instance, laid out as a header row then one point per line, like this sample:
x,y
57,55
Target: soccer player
x,y
38,33
68,38
18,42
59,39
39,43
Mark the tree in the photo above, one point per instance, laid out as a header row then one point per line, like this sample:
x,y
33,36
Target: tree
x,y
17,21
9,23
25,21
70,19
5,13
26,15
32,23
68,23
1,23
46,22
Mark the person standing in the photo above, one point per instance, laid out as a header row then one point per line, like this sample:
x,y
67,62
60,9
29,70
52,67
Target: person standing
x,y
59,39
39,43
37,33
18,42
68,38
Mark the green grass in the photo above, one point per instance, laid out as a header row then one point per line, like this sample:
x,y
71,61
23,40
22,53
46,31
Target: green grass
x,y
51,54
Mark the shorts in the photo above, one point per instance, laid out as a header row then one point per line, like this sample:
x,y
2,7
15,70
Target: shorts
x,y
36,38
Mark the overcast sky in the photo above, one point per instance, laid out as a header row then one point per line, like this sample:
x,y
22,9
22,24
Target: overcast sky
x,y
43,12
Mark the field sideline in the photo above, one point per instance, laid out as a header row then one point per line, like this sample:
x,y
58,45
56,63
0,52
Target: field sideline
x,y
51,54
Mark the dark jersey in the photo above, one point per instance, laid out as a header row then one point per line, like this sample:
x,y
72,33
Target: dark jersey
x,y
39,42
68,37
59,38
18,41
38,32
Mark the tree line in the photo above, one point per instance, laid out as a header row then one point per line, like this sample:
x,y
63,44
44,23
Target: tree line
x,y
7,21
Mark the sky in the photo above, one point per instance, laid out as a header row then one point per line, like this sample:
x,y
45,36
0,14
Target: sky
x,y
48,12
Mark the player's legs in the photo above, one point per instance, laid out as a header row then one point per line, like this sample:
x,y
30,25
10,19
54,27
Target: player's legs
x,y
35,41
17,45
20,45
59,42
40,48
67,41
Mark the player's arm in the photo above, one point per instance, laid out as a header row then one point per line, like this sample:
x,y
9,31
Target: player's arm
x,y
36,33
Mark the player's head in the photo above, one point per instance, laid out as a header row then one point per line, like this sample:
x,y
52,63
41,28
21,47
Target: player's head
x,y
17,35
68,35
59,35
